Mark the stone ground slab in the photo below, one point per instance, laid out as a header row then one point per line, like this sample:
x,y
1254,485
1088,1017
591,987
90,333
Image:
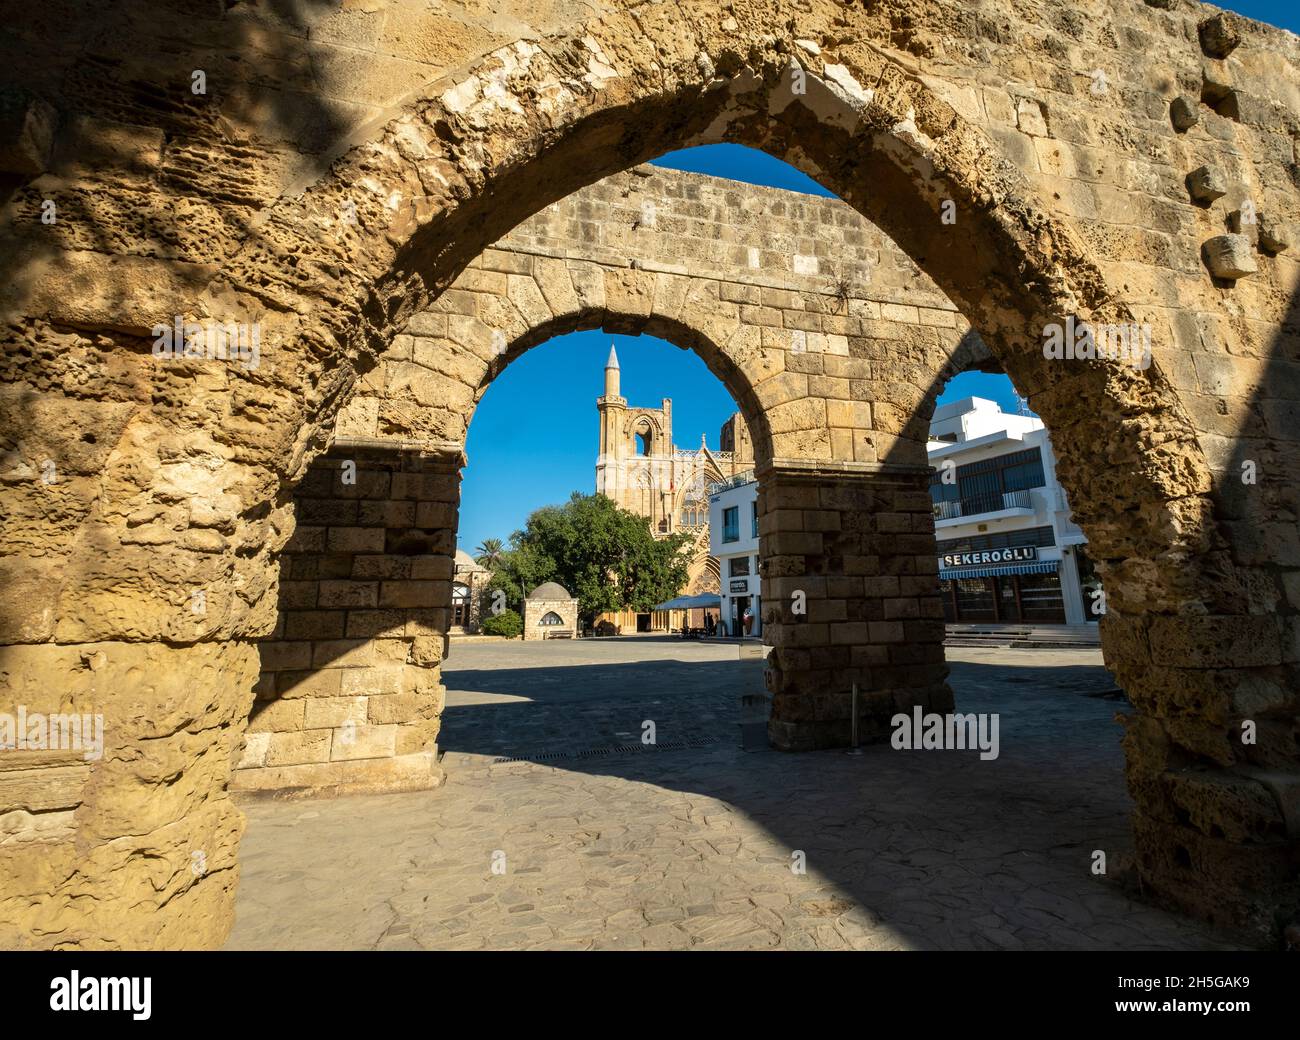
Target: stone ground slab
x,y
591,841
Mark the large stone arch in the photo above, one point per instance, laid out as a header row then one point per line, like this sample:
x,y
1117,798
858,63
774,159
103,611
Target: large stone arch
x,y
1202,630
785,360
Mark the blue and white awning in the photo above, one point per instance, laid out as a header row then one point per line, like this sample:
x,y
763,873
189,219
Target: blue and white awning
x,y
1035,567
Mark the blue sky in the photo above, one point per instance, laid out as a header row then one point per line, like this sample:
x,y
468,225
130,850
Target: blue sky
x,y
1282,13
533,439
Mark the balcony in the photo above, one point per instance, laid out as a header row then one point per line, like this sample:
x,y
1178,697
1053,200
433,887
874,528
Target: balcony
x,y
1012,503
747,477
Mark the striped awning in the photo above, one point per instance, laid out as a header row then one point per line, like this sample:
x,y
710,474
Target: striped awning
x,y
1033,567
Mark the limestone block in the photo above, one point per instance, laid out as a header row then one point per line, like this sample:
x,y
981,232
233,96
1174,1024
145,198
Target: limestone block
x,y
344,653
528,299
280,716
1274,235
589,284
394,708
1030,118
349,593
355,539
303,683
418,737
291,749
1229,256
364,741
371,681
1205,184
253,752
552,275
1184,112
330,712
1220,35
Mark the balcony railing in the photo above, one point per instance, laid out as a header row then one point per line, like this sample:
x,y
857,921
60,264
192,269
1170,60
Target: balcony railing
x,y
977,504
747,477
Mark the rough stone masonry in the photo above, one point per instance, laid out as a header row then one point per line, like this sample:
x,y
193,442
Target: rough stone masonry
x,y
332,180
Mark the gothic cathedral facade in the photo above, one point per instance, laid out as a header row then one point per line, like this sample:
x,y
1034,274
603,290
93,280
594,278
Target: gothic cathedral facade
x,y
642,470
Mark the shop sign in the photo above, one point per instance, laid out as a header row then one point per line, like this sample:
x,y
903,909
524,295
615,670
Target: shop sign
x,y
982,557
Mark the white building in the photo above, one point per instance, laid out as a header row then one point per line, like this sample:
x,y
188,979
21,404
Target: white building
x,y
733,540
1008,549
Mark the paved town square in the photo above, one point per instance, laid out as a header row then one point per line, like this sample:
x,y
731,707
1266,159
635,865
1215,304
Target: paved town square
x,y
559,829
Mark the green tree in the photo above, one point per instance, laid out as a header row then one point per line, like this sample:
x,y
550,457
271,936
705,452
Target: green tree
x,y
605,556
489,553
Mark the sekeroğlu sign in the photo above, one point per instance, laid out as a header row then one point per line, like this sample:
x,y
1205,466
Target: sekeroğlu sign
x,y
984,556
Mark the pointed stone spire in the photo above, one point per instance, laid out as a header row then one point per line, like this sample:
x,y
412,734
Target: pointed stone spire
x,y
611,373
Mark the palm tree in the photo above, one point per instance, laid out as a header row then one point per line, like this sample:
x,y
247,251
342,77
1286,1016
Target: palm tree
x,y
490,553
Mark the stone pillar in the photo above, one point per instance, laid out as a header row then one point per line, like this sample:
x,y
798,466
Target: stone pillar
x,y
132,843
1210,750
350,696
850,595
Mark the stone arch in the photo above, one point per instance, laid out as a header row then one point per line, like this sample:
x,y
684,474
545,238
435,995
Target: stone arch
x,y
644,432
470,156
1016,269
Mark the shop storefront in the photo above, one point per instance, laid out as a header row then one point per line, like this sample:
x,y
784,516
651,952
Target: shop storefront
x,y
1005,583
1009,551
1031,594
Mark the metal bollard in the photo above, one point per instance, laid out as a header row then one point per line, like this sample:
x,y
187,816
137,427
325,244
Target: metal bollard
x,y
853,748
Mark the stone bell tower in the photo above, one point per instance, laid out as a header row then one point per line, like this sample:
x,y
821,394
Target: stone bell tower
x,y
635,466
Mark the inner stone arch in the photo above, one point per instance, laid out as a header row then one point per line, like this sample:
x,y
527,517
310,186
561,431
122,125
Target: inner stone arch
x,y
787,341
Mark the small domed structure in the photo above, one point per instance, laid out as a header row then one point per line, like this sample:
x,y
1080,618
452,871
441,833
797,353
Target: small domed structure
x,y
551,590
550,613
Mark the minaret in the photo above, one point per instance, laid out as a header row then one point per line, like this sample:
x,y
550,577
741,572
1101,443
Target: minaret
x,y
610,467
611,373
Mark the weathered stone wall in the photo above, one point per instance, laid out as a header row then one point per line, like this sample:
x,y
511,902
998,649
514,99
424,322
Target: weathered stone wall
x,y
349,697
131,483
788,297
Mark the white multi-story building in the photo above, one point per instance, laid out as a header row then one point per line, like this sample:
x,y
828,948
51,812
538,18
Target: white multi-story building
x,y
1008,549
733,540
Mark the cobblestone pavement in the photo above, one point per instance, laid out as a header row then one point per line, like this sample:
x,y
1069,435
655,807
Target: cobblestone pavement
x,y
605,845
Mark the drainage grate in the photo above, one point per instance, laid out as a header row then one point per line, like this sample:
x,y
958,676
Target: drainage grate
x,y
613,749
